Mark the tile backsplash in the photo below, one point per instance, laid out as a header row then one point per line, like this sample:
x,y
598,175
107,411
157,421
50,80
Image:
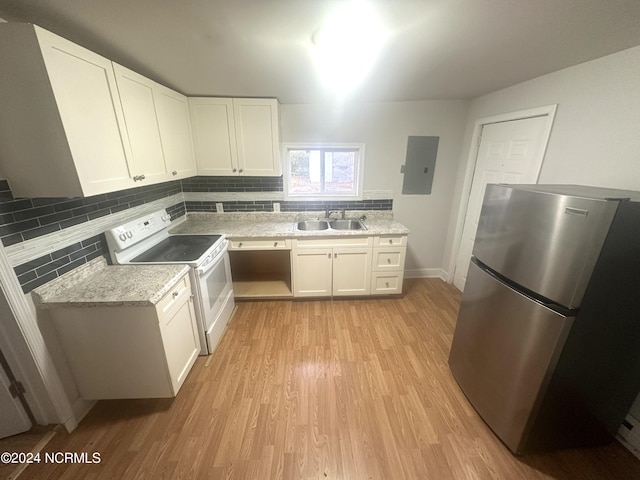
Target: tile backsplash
x,y
253,187
24,219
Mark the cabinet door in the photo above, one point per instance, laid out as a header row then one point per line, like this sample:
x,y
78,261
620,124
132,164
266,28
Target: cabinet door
x,y
172,109
86,95
214,135
180,339
138,104
258,138
351,271
312,275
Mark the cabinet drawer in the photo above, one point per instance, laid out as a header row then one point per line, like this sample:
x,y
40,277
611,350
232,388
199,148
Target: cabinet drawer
x,y
388,258
386,283
390,240
175,297
261,244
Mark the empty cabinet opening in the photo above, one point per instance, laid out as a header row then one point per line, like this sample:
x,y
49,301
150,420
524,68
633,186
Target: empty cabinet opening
x,y
261,273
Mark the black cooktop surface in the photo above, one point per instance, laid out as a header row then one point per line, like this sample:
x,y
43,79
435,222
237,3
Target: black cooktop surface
x,y
178,248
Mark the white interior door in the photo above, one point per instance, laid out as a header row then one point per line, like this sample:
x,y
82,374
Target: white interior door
x,y
509,152
13,418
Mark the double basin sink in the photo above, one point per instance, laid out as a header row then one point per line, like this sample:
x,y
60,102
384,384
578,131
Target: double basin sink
x,y
330,224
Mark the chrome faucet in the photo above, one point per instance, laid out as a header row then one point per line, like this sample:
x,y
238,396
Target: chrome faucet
x,y
328,212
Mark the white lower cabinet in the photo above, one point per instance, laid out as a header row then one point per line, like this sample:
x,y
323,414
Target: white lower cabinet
x,y
131,351
337,266
312,272
388,264
356,266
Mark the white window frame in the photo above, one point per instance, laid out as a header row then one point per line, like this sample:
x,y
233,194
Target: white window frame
x,y
359,180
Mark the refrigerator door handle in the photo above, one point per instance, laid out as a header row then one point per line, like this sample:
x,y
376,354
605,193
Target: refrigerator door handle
x,y
576,211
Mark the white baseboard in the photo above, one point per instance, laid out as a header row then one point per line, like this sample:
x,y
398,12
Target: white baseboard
x,y
80,408
630,437
426,273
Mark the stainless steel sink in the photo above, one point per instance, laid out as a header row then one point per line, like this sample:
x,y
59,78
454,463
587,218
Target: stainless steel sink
x,y
312,225
330,224
346,225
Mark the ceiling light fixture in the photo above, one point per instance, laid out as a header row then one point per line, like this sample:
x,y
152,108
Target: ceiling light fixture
x,y
347,46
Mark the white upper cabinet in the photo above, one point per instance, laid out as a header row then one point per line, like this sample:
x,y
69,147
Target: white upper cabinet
x,y
62,130
214,135
75,124
238,136
172,109
138,103
158,127
257,136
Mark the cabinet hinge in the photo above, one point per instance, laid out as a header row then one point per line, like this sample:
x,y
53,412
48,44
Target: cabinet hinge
x,y
16,389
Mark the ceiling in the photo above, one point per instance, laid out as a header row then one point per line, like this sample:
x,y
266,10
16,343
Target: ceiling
x,y
435,49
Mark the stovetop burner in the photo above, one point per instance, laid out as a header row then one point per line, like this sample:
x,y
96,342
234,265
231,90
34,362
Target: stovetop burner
x,y
178,248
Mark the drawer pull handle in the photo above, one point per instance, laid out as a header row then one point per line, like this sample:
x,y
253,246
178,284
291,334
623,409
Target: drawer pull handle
x,y
175,295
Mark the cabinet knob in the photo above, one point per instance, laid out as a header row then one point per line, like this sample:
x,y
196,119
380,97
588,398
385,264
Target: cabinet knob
x,y
234,170
241,170
387,284
175,172
175,294
335,255
239,244
275,244
328,255
388,260
391,241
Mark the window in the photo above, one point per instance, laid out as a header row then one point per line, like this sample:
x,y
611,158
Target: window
x,y
324,172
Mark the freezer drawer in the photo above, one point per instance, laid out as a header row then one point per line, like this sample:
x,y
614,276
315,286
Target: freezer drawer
x,y
504,350
547,243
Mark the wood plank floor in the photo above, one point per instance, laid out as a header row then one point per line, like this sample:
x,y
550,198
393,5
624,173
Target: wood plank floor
x,y
343,389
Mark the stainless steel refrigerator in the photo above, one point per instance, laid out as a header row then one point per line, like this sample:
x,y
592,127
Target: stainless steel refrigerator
x,y
547,342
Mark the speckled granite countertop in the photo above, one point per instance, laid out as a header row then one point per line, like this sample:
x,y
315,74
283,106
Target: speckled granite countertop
x,y
98,284
281,225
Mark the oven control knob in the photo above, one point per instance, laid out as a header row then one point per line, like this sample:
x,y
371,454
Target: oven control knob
x,y
165,218
129,234
122,237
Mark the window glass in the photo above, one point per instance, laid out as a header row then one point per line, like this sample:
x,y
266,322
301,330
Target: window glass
x,y
326,172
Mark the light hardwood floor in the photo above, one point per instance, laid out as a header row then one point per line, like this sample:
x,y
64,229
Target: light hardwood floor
x,y
343,389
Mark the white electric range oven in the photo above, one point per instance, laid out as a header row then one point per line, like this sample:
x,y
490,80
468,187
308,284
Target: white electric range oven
x,y
146,240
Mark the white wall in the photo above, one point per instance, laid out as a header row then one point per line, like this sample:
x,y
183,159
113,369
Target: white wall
x,y
595,138
384,128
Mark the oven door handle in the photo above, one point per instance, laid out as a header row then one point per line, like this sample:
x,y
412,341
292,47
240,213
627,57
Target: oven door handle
x,y
201,271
